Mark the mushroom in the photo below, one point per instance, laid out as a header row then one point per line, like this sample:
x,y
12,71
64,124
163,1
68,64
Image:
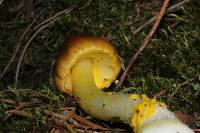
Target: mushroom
x,y
88,64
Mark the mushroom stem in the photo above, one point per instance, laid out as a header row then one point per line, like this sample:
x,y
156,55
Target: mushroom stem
x,y
97,103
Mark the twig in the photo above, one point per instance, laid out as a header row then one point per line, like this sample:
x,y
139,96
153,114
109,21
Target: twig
x,y
17,110
160,93
177,5
170,9
68,10
196,130
181,85
48,21
111,130
185,118
9,101
145,42
63,124
1,1
86,5
20,110
34,93
138,8
52,67
17,48
76,117
24,50
27,104
86,122
61,116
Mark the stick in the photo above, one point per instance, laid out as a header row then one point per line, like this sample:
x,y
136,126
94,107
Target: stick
x,y
71,114
196,130
17,48
24,50
18,111
181,85
48,21
8,101
145,42
1,1
170,9
63,124
68,10
86,5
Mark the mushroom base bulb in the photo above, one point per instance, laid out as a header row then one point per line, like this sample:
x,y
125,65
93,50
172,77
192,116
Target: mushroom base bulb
x,y
165,126
87,65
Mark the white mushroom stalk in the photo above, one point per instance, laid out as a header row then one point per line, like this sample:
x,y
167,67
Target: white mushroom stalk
x,y
89,64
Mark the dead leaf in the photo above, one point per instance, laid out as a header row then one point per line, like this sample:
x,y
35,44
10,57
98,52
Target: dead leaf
x,y
187,119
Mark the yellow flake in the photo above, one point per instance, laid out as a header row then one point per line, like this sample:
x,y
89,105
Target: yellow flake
x,y
162,105
134,96
143,110
111,93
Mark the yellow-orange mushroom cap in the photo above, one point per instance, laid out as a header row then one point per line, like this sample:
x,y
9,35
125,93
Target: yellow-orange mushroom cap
x,y
105,60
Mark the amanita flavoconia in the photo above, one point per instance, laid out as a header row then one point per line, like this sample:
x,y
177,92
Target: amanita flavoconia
x,y
88,64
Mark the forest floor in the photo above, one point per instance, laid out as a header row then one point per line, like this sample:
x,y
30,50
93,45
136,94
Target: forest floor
x,y
29,42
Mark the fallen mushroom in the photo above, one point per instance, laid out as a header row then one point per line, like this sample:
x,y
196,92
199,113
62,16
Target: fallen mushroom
x,y
86,66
